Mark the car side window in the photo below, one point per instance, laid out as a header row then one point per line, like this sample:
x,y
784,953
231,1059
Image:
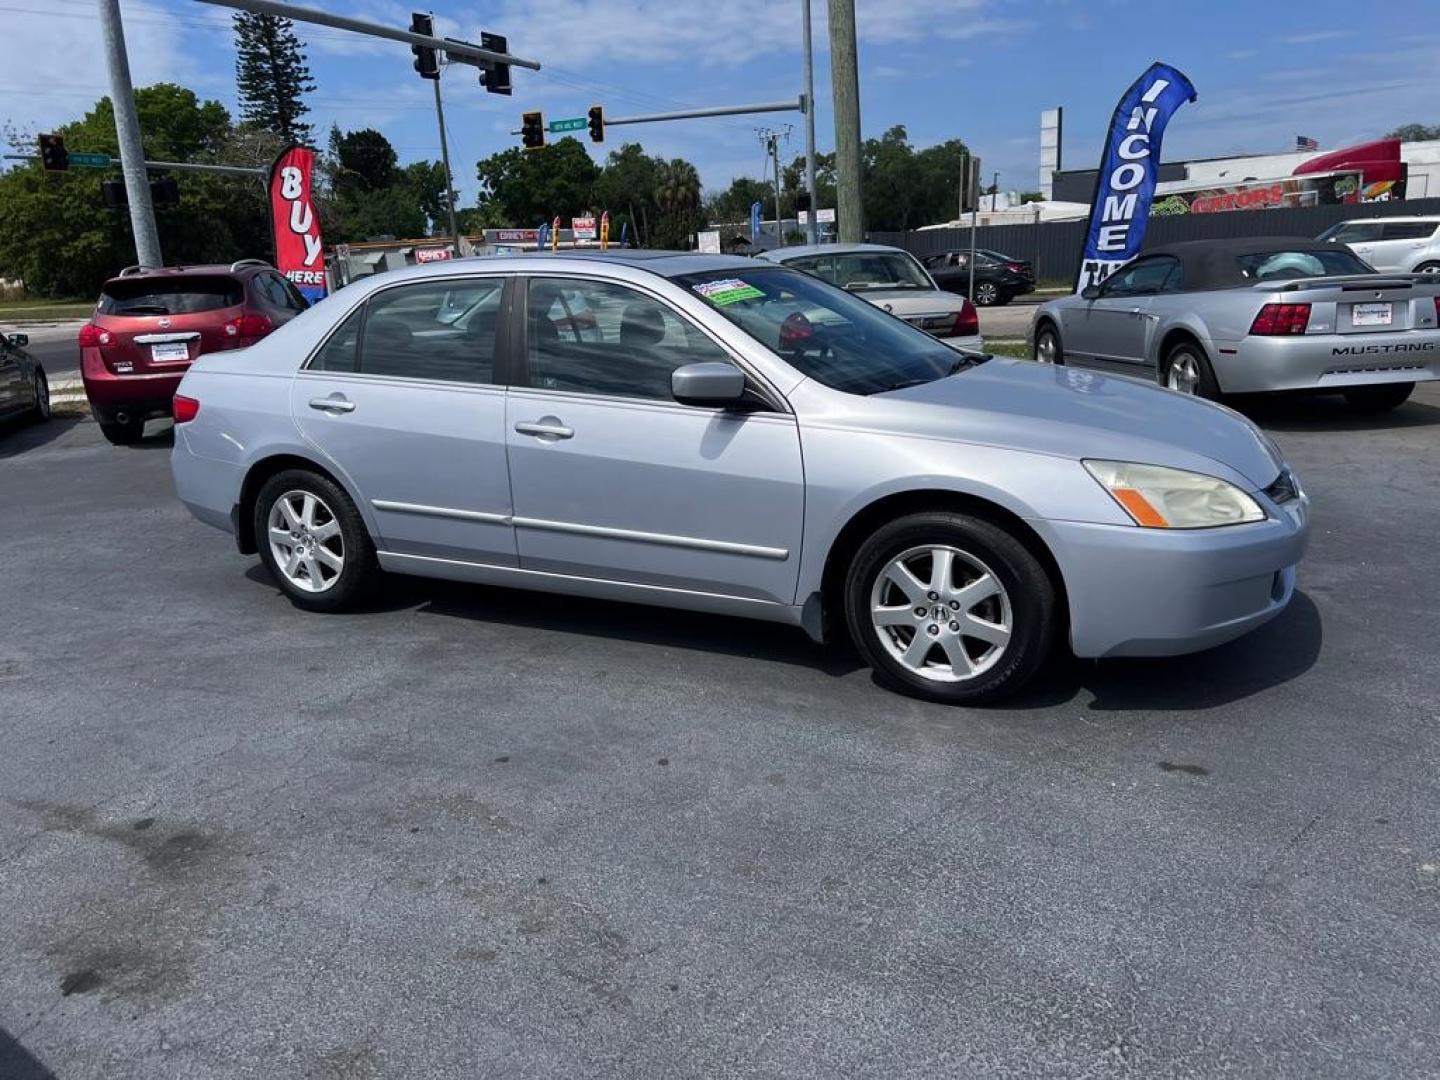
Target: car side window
x,y
1406,230
441,330
594,337
1357,232
287,296
1143,278
342,348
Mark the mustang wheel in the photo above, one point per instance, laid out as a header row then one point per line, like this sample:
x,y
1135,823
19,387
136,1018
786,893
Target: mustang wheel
x,y
1047,345
1187,371
313,540
950,607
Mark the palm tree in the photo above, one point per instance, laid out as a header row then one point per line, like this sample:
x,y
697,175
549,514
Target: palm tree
x,y
677,195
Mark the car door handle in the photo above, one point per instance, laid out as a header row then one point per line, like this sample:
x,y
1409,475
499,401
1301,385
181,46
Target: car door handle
x,y
545,430
332,404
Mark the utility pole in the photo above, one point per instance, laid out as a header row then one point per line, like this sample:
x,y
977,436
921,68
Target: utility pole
x,y
127,131
449,177
845,87
812,232
775,157
974,208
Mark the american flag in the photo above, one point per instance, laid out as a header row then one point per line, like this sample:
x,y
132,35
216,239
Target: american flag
x,y
1305,142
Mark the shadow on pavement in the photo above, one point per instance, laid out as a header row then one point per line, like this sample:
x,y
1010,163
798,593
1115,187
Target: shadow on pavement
x,y
1279,651
1330,412
17,1063
18,436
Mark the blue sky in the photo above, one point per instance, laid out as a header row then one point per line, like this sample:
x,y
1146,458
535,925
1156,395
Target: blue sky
x,y
981,70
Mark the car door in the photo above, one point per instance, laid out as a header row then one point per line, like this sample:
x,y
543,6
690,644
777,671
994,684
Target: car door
x,y
11,380
1113,328
407,400
614,479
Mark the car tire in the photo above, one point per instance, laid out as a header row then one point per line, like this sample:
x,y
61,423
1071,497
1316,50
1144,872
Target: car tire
x,y
1377,399
329,559
1054,353
40,409
987,294
1187,370
1428,268
123,433
972,629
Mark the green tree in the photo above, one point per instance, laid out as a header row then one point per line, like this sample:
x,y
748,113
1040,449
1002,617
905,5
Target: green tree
x,y
424,182
794,174
1414,133
677,196
57,236
364,161
272,76
525,187
732,206
626,188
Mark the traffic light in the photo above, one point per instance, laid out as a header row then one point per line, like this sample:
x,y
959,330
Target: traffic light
x,y
802,202
495,77
164,193
597,123
532,130
53,155
426,62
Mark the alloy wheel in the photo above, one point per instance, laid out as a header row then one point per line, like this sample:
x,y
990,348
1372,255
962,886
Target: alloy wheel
x,y
986,293
1183,373
941,613
305,541
42,396
1046,347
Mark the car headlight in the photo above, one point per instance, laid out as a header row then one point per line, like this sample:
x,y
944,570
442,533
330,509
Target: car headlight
x,y
1160,498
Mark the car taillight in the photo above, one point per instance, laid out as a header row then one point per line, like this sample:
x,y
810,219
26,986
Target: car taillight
x,y
92,337
186,409
248,326
1018,268
1280,319
967,321
1437,309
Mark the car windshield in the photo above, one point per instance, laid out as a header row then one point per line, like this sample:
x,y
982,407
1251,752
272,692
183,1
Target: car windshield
x,y
1281,265
862,270
169,296
823,332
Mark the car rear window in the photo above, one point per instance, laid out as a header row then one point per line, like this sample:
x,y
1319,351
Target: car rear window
x,y
1282,265
169,296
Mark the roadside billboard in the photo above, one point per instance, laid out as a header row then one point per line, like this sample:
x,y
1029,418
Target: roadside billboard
x,y
1325,189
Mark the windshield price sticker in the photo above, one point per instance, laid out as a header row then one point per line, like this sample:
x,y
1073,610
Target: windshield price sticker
x,y
728,291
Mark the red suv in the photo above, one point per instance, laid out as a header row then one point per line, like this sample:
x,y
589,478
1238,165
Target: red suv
x,y
151,324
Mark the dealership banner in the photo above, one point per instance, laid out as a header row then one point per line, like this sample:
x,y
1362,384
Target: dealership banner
x,y
299,253
1128,171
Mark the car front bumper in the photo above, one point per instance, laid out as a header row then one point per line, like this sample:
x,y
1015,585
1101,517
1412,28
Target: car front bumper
x,y
1326,361
1158,592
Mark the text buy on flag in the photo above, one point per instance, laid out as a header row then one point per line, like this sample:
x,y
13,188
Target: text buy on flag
x,y
1128,169
299,254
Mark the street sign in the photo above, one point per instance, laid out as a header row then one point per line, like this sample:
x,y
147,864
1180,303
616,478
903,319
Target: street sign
x,y
577,123
89,161
583,228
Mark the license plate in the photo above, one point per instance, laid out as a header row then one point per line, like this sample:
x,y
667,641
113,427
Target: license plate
x,y
1370,315
169,351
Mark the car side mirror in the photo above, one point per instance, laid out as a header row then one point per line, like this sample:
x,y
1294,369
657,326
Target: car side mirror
x,y
1090,292
712,384
19,340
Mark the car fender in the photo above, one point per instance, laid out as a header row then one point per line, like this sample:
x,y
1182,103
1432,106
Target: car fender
x,y
1187,322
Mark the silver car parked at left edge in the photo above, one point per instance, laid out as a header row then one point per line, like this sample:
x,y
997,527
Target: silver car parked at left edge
x,y
726,435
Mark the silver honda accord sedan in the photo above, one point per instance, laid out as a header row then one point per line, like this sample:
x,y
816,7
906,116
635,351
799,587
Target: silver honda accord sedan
x,y
723,435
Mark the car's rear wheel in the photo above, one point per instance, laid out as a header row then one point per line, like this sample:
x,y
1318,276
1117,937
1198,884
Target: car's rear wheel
x,y
1379,398
950,607
123,432
1428,268
313,541
1047,345
1187,371
40,410
987,293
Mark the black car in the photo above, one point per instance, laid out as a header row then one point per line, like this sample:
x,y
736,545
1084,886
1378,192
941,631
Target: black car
x,y
23,388
998,278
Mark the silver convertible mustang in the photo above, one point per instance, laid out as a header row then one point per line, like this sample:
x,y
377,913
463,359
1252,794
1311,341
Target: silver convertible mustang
x,y
1213,317
718,434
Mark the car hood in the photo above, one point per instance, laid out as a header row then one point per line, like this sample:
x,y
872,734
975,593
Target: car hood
x,y
1069,412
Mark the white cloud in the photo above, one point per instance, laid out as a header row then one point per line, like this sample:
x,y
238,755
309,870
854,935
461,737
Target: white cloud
x,y
1316,36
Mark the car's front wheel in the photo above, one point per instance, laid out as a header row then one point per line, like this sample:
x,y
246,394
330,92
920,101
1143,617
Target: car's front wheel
x,y
1047,345
1186,370
1428,268
950,607
1379,398
313,541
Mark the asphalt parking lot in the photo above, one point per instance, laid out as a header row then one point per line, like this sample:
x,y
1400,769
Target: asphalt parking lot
x,y
479,833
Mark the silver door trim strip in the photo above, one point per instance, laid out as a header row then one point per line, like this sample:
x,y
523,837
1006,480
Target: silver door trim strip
x,y
665,539
612,583
603,532
440,511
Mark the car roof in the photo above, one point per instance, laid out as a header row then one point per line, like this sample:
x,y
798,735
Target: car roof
x,y
665,263
781,254
1210,264
238,268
